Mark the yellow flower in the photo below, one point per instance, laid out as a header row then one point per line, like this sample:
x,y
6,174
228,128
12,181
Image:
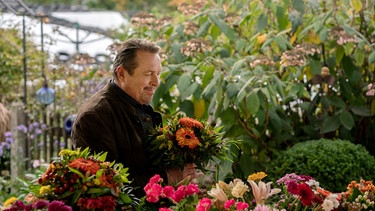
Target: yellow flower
x,y
10,201
68,152
45,189
97,181
257,176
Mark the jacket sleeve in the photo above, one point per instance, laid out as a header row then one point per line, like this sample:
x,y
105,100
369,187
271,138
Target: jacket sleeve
x,y
93,131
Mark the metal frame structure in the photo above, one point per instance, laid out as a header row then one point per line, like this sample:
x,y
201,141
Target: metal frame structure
x,y
18,7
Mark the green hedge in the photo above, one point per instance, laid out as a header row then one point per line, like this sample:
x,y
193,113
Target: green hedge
x,y
333,163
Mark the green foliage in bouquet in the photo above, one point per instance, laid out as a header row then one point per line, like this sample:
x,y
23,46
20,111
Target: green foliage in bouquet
x,y
83,180
185,140
331,162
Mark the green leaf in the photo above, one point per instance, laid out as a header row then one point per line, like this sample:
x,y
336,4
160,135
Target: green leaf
x,y
232,89
361,111
282,19
323,34
359,55
330,124
252,103
337,102
299,5
203,29
261,23
347,120
371,57
295,19
184,83
281,42
220,23
339,54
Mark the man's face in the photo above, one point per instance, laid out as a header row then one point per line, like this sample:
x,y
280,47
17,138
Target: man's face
x,y
145,79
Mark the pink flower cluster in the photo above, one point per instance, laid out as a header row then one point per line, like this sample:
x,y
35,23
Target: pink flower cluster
x,y
154,190
240,206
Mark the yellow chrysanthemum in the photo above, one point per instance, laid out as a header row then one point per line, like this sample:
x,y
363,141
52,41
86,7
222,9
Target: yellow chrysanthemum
x,y
257,176
45,189
10,201
68,152
97,181
170,144
186,137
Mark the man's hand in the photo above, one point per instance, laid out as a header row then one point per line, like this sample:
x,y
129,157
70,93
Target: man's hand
x,y
175,175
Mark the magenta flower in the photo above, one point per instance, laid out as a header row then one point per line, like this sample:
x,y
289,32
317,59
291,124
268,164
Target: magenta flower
x,y
241,206
204,204
58,206
155,179
179,194
40,204
165,209
153,192
168,192
229,203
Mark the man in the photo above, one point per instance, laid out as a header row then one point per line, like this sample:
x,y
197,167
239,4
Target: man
x,y
118,117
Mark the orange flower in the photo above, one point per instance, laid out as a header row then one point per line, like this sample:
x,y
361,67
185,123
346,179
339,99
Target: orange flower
x,y
107,180
189,122
186,137
85,165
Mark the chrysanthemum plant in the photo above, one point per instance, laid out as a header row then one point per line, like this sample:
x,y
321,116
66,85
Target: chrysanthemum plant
x,y
85,181
186,140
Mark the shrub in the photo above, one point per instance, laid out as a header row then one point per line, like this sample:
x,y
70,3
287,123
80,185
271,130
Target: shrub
x,y
334,163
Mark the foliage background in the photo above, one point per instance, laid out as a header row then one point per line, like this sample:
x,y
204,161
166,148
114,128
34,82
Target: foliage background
x,y
256,67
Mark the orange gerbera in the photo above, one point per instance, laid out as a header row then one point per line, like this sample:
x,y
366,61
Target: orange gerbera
x,y
189,122
186,137
85,165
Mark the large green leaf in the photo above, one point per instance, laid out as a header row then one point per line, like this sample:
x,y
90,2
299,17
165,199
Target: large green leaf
x,y
371,57
347,120
184,84
299,5
252,103
331,123
282,18
361,111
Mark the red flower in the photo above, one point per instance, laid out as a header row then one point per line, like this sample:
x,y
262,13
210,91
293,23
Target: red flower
x,y
189,122
85,165
186,137
306,195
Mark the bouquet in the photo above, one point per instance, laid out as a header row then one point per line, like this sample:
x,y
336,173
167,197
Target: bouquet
x,y
84,182
185,140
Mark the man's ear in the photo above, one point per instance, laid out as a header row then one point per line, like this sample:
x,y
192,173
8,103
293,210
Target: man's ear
x,y
120,72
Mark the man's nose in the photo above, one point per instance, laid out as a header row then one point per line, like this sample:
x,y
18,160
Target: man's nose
x,y
155,80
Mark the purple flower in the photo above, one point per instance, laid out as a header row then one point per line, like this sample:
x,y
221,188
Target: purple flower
x,y
40,204
58,206
8,134
22,128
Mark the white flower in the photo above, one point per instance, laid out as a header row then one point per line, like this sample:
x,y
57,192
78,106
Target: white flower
x,y
239,189
218,194
330,202
262,191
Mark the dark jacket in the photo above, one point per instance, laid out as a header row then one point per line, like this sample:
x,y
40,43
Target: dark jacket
x,y
108,122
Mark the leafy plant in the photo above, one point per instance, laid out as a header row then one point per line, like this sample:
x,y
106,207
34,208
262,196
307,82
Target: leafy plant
x,y
331,162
